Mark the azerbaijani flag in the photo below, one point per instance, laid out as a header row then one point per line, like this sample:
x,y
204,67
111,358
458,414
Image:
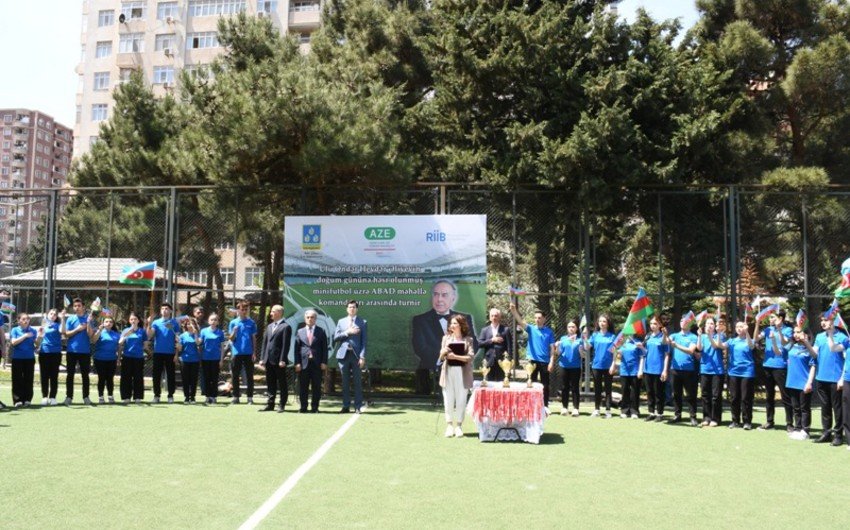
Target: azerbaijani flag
x,y
844,288
839,322
688,319
106,312
7,307
701,317
831,310
516,291
802,319
767,311
637,323
140,274
618,341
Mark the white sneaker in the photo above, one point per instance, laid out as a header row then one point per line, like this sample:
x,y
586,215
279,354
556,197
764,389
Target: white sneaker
x,y
67,401
635,417
138,401
595,414
86,401
458,432
111,400
235,401
170,400
101,401
608,414
250,401
53,401
27,403
156,399
45,401
564,412
546,411
575,412
623,415
450,431
125,401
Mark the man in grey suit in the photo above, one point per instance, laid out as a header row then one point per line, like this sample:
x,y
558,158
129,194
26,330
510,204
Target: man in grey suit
x,y
311,360
350,335
274,357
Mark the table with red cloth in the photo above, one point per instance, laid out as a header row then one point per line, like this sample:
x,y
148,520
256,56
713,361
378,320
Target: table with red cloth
x,y
510,413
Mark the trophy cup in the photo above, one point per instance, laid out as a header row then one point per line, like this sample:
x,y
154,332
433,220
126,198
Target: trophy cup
x,y
529,369
484,370
505,364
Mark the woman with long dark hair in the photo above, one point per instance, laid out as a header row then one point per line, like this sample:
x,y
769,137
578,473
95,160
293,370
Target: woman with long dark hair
x,y
189,359
599,345
742,373
682,362
712,373
106,342
456,353
132,343
568,357
800,382
653,370
49,357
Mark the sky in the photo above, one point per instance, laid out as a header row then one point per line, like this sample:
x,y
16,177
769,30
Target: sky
x,y
40,48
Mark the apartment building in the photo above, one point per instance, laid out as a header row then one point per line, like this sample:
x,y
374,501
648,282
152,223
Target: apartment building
x,y
161,38
35,153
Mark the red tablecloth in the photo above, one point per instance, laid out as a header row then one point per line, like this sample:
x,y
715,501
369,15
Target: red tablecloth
x,y
508,405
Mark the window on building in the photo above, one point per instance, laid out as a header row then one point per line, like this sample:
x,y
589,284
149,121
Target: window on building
x,y
202,71
4,171
165,10
103,49
98,112
82,52
199,276
105,18
226,275
206,39
101,81
7,118
6,158
304,38
164,41
7,132
93,140
205,8
2,210
124,74
7,144
266,6
133,10
131,42
224,245
79,117
163,74
304,5
253,277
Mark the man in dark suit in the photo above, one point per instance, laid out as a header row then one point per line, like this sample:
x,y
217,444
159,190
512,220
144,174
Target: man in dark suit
x,y
496,341
311,359
350,335
274,357
429,329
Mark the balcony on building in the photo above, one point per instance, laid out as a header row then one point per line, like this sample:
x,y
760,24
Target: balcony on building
x,y
304,15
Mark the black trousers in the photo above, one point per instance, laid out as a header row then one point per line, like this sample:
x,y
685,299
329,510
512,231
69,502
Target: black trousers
x,y
801,407
572,380
48,364
775,377
630,402
23,371
310,377
132,384
238,362
742,390
189,375
601,377
830,408
684,383
105,376
711,387
276,382
71,362
845,409
160,361
541,373
210,374
654,393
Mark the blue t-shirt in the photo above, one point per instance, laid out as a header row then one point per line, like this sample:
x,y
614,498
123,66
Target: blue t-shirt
x,y
741,362
799,363
830,363
26,348
711,359
51,342
683,362
242,343
656,350
211,341
773,358
134,343
106,348
569,349
600,344
540,341
164,335
189,349
79,343
629,359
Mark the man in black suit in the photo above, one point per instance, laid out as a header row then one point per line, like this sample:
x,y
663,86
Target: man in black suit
x,y
311,359
274,357
429,329
496,341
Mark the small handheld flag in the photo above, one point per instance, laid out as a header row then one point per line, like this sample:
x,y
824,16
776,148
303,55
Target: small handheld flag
x,y
140,274
618,341
839,322
582,325
843,289
767,311
637,323
701,317
96,307
106,312
831,310
66,302
516,291
688,319
7,307
748,312
802,320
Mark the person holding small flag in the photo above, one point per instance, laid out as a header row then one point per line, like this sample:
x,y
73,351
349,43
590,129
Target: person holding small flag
x,y
828,349
630,354
212,341
132,344
742,373
711,372
776,337
652,368
682,362
799,382
23,340
77,329
541,347
599,345
164,331
189,359
568,357
50,357
106,341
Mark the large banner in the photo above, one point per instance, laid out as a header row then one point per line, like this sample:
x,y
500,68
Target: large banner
x,y
404,271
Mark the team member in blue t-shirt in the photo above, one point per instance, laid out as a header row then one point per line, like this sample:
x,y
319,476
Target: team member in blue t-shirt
x,y
652,368
541,347
799,382
189,359
106,341
828,349
742,373
22,340
630,354
600,345
77,330
775,337
163,331
711,373
682,362
242,334
568,357
132,343
211,340
50,357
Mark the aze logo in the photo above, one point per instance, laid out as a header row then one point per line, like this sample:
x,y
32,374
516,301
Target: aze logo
x,y
311,237
379,233
435,236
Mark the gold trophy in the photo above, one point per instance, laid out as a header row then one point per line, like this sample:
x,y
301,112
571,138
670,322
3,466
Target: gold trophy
x,y
529,369
484,370
505,364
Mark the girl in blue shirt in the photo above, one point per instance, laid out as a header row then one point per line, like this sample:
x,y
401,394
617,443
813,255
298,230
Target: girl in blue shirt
x,y
105,342
132,344
569,359
22,339
49,357
799,383
630,355
600,345
211,340
711,373
652,368
828,349
776,337
742,373
683,360
189,359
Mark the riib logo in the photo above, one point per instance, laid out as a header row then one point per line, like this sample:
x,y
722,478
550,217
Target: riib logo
x,y
311,237
435,236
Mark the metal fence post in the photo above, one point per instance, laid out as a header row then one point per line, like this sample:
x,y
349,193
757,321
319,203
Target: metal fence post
x,y
109,246
733,252
50,250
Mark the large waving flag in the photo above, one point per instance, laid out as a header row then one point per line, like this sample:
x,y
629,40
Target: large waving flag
x,y
637,323
802,319
844,288
766,312
141,274
688,319
839,322
831,310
